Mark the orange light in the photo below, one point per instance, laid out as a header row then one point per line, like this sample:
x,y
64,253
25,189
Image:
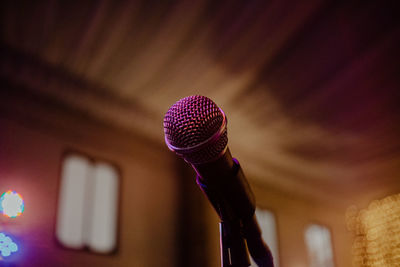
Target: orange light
x,y
377,233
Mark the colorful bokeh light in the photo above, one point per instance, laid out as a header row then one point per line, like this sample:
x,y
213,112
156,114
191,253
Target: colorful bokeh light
x,y
11,204
7,246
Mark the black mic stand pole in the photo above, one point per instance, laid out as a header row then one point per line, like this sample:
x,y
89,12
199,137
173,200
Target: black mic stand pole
x,y
233,245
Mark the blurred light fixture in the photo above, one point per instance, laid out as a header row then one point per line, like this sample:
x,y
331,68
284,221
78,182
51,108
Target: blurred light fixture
x,y
7,246
11,204
376,231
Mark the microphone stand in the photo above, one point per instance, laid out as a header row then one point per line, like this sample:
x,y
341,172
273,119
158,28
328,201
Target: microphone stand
x,y
237,237
233,245
219,176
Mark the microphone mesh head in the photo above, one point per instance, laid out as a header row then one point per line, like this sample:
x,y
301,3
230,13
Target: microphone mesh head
x,y
195,128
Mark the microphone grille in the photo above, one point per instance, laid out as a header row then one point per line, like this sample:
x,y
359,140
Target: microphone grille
x,y
195,128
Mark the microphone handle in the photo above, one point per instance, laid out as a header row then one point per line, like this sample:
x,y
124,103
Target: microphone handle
x,y
226,187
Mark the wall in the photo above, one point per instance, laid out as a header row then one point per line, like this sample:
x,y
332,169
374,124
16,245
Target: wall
x,y
31,151
164,221
293,214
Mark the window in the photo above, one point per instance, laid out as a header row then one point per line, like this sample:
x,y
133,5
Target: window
x,y
319,246
88,205
267,222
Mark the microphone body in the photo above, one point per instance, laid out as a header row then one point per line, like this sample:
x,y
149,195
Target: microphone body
x,y
224,184
195,129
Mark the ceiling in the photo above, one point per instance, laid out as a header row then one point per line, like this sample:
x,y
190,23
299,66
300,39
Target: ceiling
x,y
310,88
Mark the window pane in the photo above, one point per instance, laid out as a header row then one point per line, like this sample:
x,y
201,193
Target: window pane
x,y
267,222
88,205
319,246
103,214
70,219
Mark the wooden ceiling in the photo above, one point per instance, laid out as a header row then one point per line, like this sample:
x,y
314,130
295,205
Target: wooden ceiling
x,y
310,88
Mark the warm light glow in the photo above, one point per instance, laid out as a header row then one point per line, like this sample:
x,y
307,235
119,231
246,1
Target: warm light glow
x,y
11,204
7,246
377,233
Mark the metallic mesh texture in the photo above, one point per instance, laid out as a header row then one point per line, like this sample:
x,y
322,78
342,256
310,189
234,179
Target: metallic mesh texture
x,y
190,122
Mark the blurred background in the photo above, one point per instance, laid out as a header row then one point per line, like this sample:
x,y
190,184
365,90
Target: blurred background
x,y
311,92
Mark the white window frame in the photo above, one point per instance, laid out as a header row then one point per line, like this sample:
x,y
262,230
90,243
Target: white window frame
x,y
318,240
87,214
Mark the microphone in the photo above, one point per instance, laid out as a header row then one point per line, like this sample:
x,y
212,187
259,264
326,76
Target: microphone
x,y
196,129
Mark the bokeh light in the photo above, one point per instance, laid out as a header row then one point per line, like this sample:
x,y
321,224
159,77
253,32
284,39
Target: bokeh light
x,y
376,232
11,204
7,246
